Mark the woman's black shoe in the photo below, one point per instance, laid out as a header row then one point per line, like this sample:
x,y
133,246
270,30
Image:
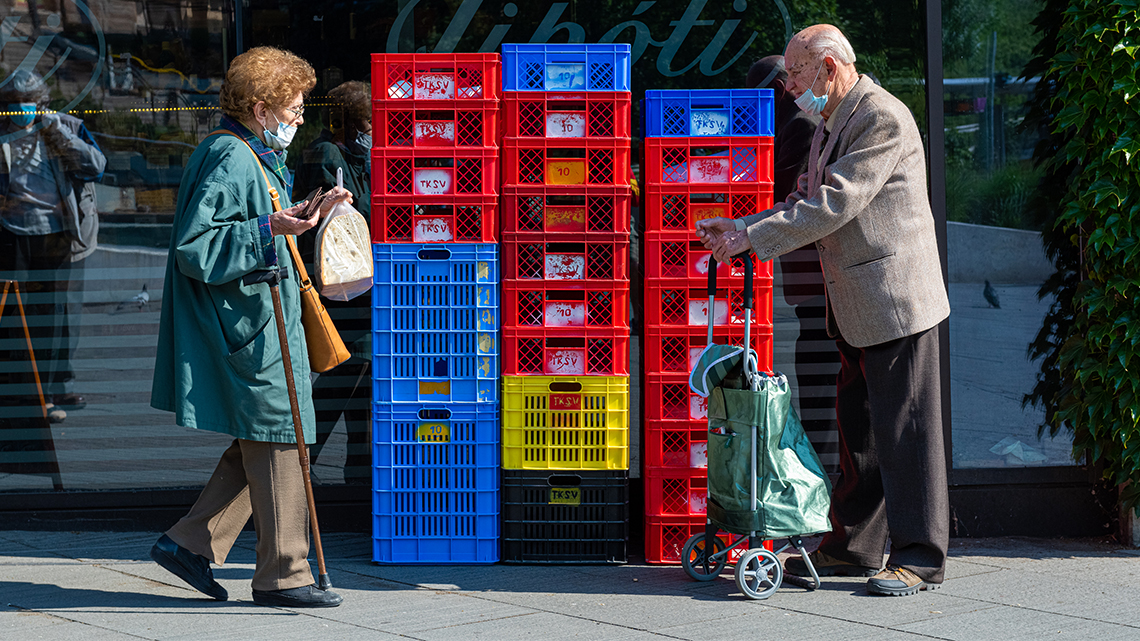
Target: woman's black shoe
x,y
187,566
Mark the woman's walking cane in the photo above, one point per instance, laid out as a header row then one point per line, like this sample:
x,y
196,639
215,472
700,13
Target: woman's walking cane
x,y
273,278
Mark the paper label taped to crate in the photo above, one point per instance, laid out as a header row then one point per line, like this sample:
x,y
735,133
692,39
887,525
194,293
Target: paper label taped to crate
x,y
486,343
482,270
704,212
566,77
704,122
713,169
694,357
566,314
565,218
698,455
699,312
431,133
433,433
698,500
699,265
698,407
435,388
487,316
565,361
434,182
565,401
565,125
565,267
566,172
565,496
435,86
432,230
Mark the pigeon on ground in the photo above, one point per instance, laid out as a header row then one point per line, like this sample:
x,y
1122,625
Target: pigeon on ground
x,y
991,295
141,301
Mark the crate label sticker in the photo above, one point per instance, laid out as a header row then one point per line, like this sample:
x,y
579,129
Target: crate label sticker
x,y
704,122
712,169
566,314
694,357
566,361
433,433
699,312
432,133
432,230
486,318
698,500
565,267
482,271
698,455
565,402
699,266
486,343
566,172
435,388
565,125
485,368
566,77
565,218
433,181
486,396
400,89
704,212
435,86
565,496
698,407
486,296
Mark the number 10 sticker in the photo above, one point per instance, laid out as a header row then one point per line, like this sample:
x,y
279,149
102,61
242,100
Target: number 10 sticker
x,y
565,125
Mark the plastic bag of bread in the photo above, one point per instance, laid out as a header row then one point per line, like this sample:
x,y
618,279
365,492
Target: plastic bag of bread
x,y
342,264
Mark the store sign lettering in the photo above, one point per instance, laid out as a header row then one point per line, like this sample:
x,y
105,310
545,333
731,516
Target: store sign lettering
x,y
552,27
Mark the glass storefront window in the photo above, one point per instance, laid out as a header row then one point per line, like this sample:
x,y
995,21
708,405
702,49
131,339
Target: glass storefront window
x,y
995,258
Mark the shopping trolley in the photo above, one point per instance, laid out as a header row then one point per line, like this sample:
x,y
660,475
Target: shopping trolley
x,y
765,480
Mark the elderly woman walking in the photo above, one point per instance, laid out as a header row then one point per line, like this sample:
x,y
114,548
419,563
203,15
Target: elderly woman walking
x,y
219,363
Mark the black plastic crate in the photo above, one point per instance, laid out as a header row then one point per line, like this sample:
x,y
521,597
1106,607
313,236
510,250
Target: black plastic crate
x,y
565,516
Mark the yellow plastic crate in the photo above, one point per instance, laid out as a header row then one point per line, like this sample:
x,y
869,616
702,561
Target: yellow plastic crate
x,y
565,422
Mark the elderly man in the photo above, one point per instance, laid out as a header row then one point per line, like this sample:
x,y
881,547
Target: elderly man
x,y
863,202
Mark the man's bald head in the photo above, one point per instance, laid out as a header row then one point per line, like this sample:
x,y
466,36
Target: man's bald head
x,y
821,59
822,40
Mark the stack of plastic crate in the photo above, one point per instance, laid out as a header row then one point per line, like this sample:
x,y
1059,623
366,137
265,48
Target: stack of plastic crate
x,y
565,245
435,317
707,154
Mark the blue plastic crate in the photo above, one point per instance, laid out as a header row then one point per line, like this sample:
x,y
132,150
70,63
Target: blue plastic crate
x,y
435,323
566,67
709,112
435,492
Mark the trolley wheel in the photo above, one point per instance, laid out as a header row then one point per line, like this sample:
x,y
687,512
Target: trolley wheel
x,y
758,573
695,558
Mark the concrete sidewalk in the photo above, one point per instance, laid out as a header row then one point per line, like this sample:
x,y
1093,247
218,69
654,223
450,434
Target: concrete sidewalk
x,y
93,586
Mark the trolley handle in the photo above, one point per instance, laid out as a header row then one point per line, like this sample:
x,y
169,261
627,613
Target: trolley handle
x,y
748,278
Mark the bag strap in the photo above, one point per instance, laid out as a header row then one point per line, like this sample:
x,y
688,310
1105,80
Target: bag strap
x,y
276,198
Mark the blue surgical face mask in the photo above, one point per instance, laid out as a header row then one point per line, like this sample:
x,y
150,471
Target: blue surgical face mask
x,y
808,102
364,141
26,113
280,140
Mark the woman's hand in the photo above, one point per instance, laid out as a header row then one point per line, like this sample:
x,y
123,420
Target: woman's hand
x,y
285,222
334,196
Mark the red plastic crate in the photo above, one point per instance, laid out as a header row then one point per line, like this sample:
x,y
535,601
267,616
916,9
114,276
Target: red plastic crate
x,y
571,209
436,76
574,351
566,257
665,538
440,219
679,207
566,162
431,172
676,349
678,254
685,302
582,114
435,124
676,492
668,398
554,304
708,161
674,445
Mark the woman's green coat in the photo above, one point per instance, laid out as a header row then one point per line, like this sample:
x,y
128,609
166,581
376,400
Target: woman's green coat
x,y
219,364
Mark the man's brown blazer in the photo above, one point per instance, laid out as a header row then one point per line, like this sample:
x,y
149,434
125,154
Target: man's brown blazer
x,y
871,221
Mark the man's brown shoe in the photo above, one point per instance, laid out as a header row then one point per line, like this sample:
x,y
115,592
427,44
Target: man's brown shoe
x,y
898,581
825,565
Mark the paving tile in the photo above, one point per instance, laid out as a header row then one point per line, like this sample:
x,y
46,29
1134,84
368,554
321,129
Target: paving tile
x,y
1021,624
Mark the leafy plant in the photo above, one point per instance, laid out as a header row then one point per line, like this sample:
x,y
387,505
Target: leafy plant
x,y
1090,377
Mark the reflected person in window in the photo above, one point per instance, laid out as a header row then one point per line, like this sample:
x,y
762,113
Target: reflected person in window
x,y
863,202
48,225
346,390
219,362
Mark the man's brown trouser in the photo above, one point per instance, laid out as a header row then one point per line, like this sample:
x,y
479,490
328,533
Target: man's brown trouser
x,y
262,479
